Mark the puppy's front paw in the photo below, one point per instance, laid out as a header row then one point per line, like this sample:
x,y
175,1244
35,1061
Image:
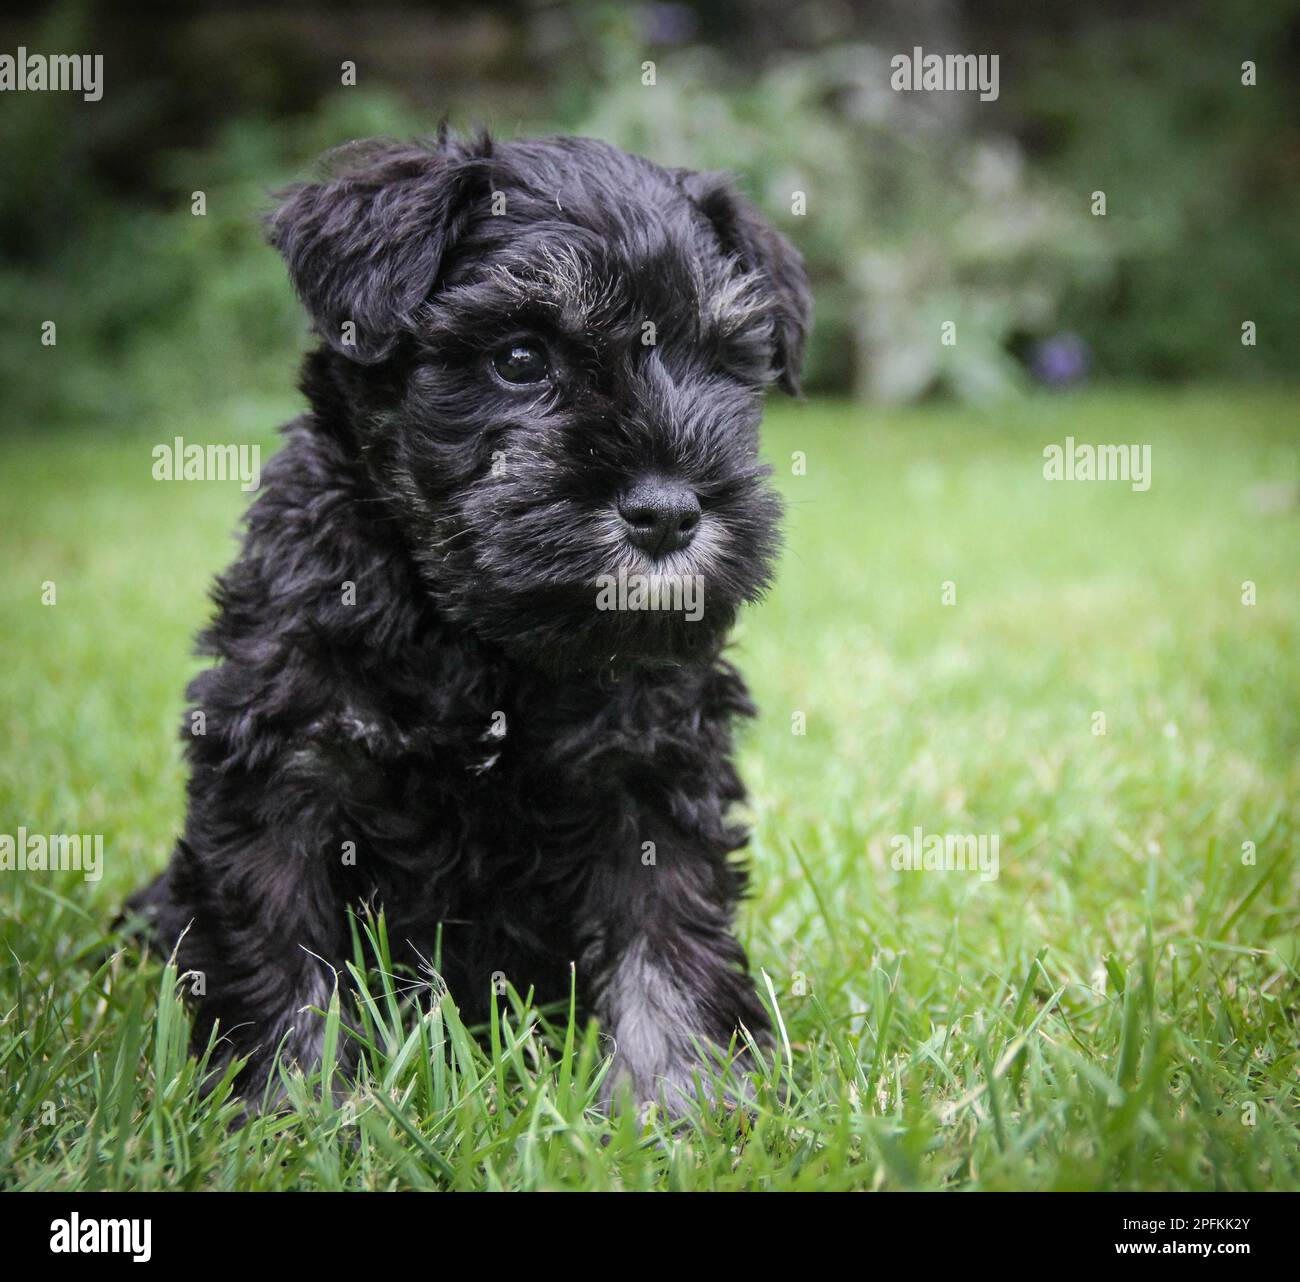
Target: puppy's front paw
x,y
679,1087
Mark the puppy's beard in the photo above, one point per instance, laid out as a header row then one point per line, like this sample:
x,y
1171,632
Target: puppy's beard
x,y
623,617
611,607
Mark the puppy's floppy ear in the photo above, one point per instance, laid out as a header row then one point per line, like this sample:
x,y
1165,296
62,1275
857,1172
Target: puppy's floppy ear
x,y
745,233
364,246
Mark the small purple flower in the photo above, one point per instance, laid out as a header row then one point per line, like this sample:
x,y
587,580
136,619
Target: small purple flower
x,y
1061,360
668,24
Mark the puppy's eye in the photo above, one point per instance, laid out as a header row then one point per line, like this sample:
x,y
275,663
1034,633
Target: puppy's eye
x,y
520,363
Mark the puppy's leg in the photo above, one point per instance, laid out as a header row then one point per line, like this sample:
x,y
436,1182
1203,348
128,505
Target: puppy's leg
x,y
260,949
668,975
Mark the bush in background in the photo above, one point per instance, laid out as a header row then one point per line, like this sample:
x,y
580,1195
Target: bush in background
x,y
921,209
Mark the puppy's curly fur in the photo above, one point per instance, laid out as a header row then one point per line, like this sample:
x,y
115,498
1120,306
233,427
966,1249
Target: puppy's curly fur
x,y
415,702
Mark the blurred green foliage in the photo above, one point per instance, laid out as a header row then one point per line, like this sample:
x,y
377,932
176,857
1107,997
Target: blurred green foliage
x,y
1203,175
920,208
158,307
909,221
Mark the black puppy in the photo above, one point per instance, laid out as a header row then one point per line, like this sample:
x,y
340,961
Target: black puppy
x,y
535,409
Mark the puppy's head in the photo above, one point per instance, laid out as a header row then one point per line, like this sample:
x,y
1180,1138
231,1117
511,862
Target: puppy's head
x,y
552,356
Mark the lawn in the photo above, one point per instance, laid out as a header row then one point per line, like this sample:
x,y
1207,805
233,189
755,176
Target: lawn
x,y
1118,1008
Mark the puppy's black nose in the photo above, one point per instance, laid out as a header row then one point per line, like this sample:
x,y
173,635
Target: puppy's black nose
x,y
661,515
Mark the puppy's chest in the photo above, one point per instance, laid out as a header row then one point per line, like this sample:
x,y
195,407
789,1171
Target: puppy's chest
x,y
466,786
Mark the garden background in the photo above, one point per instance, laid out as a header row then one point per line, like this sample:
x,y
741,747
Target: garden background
x,y
1118,1009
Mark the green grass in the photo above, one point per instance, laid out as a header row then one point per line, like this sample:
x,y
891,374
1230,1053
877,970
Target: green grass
x,y
1118,1009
